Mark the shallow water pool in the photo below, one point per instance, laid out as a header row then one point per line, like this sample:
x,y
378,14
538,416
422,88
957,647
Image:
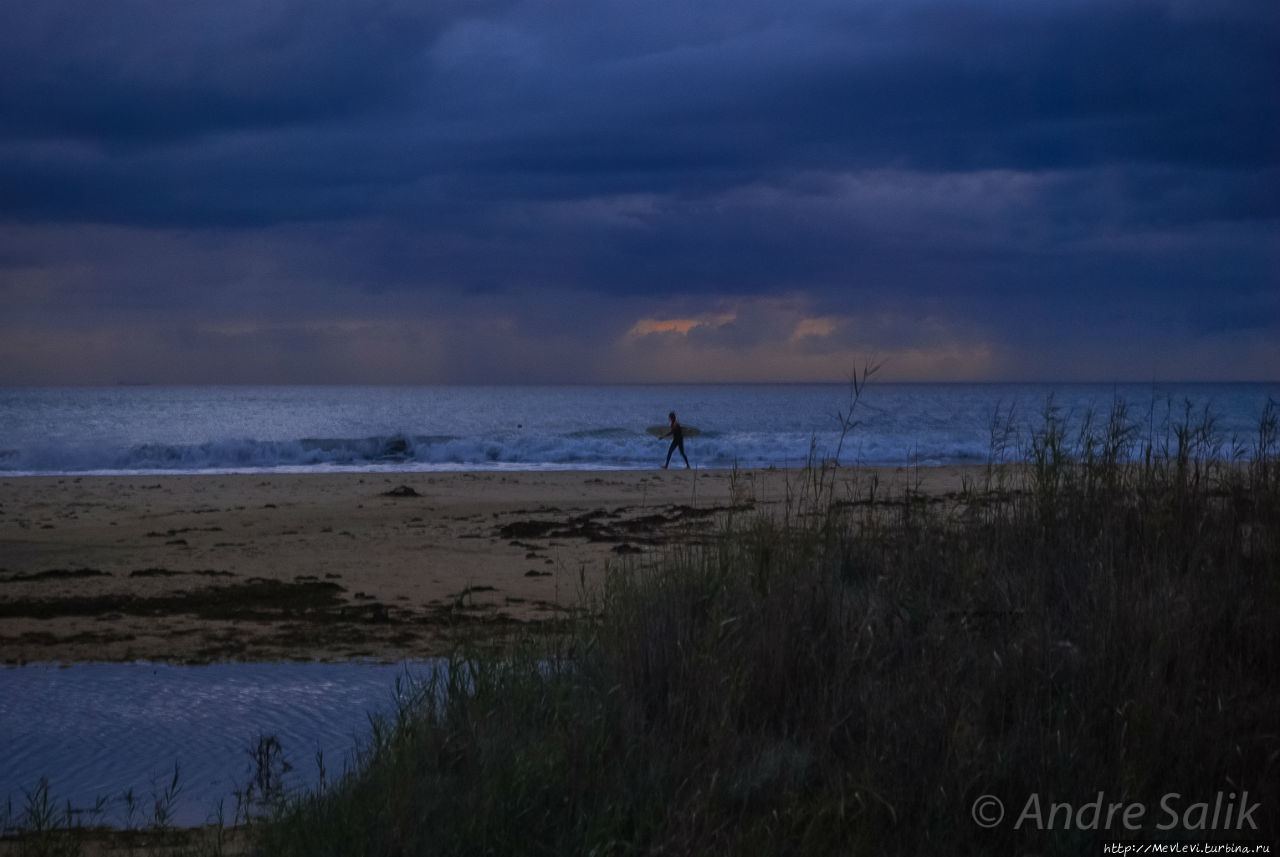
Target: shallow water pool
x,y
98,730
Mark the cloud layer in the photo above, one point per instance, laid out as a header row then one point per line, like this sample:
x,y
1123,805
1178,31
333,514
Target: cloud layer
x,y
361,191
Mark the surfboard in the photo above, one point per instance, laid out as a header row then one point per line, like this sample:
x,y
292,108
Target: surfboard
x,y
659,431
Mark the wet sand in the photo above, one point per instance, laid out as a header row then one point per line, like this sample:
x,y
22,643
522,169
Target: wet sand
x,y
205,568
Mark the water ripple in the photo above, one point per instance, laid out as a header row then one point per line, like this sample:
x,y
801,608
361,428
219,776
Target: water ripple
x,y
98,730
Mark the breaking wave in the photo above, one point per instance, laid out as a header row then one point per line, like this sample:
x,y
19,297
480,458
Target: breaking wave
x,y
604,448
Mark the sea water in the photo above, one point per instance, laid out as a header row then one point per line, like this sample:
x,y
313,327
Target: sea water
x,y
314,429
97,731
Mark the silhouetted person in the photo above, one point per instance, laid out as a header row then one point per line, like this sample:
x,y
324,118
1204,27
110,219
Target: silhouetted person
x,y
677,441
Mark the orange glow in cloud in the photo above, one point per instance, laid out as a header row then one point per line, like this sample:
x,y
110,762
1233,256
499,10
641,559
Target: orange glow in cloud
x,y
784,340
648,326
824,326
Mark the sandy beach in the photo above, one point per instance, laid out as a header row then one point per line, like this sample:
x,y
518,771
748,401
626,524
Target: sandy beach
x,y
204,568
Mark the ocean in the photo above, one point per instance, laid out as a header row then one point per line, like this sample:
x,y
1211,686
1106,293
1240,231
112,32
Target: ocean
x,y
229,429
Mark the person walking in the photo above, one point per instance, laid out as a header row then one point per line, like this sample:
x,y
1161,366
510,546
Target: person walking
x,y
677,441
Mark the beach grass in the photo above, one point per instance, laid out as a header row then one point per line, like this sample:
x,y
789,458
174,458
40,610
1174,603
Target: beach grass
x,y
1095,617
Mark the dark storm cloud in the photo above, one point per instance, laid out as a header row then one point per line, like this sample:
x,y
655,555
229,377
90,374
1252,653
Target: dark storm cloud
x,y
267,112
146,71
937,85
1036,172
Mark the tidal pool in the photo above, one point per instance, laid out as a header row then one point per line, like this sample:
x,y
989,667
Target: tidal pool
x,y
96,731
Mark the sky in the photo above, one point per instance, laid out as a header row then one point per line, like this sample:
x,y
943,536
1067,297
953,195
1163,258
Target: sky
x,y
605,191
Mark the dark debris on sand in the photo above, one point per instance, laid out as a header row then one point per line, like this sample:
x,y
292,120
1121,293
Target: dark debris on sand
x,y
401,491
611,527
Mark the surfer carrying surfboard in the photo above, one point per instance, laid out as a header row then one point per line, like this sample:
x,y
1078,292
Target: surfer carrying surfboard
x,y
677,441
